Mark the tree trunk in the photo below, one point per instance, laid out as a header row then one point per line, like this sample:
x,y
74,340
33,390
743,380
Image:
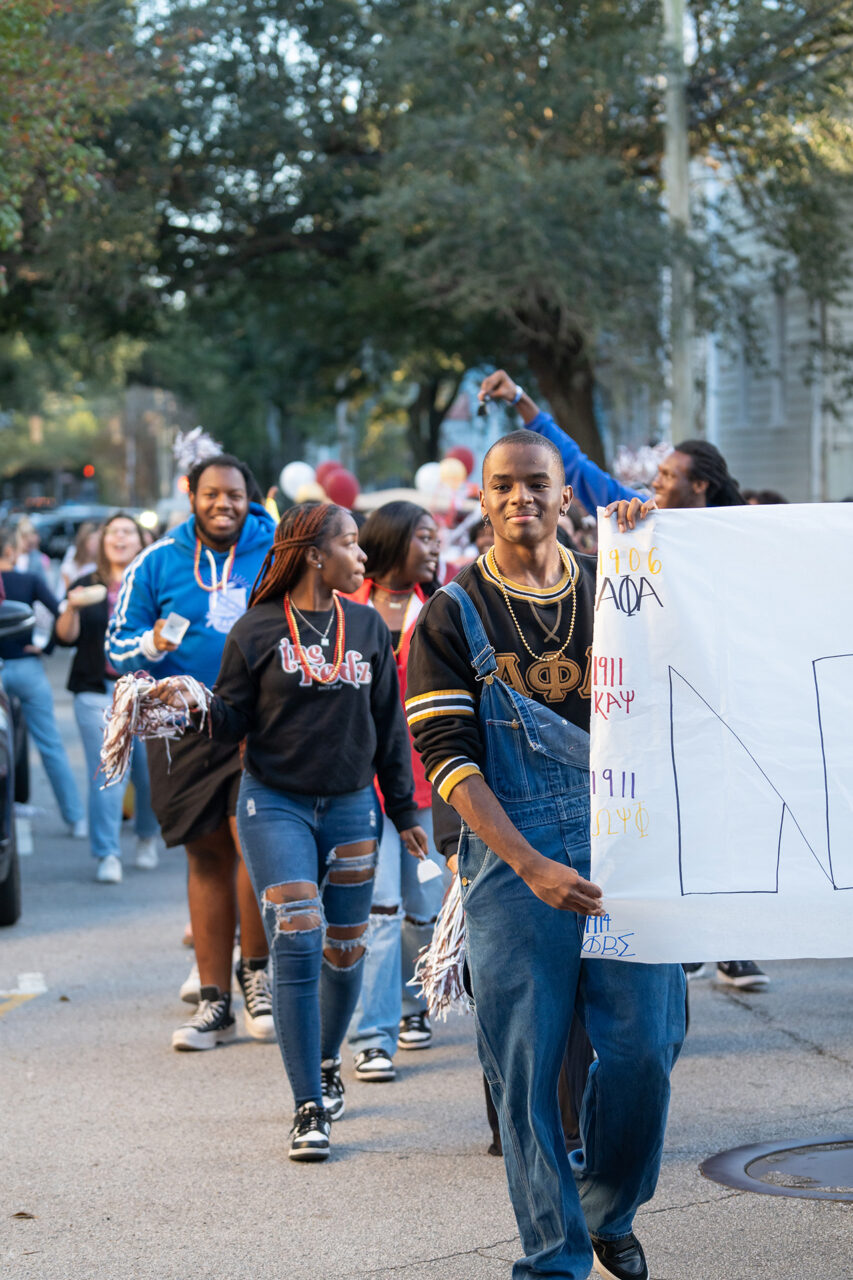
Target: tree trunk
x,y
567,383
426,415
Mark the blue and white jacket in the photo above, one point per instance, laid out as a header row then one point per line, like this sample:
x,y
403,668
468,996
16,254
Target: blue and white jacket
x,y
161,581
590,485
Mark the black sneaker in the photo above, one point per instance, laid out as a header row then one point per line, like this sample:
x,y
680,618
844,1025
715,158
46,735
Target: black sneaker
x,y
374,1064
211,1024
257,1000
309,1137
744,974
620,1259
333,1087
414,1032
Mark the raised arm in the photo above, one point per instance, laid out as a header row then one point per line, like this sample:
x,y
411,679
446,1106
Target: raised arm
x,y
590,485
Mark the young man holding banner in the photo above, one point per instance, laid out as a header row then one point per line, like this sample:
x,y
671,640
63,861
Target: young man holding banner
x,y
693,475
498,702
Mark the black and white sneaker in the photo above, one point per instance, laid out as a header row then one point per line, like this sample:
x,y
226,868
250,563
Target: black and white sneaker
x,y
333,1087
374,1064
254,982
620,1259
414,1032
211,1024
744,974
309,1137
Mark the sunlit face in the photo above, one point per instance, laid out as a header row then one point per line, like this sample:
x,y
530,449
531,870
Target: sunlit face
x,y
121,543
422,556
220,505
673,487
341,558
523,493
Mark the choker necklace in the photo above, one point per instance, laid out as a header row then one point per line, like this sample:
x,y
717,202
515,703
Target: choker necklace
x,y
311,673
545,657
389,591
226,568
324,635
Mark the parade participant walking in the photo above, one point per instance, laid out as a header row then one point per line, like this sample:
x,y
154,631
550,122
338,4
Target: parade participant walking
x,y
201,573
308,679
693,475
24,678
82,623
400,540
500,713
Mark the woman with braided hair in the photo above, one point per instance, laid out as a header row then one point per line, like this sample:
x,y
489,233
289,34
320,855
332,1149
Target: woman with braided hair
x,y
308,680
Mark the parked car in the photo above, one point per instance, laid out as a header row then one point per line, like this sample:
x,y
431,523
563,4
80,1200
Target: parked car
x,y
15,618
57,529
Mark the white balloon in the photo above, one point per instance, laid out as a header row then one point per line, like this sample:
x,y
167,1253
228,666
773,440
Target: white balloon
x,y
428,478
294,476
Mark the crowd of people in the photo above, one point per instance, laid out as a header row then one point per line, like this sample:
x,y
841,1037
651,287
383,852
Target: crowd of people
x,y
374,729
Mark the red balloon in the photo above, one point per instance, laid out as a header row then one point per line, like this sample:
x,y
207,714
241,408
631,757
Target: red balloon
x,y
465,456
342,488
327,469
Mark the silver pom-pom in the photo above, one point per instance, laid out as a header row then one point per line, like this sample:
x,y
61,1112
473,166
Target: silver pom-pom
x,y
194,446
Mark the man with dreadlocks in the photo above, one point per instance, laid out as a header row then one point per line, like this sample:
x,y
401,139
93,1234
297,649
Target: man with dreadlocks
x,y
695,474
202,571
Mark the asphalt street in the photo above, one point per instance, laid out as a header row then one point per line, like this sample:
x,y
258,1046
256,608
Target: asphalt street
x,y
122,1159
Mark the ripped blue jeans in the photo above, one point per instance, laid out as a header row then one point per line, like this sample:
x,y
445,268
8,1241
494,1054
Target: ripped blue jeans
x,y
314,890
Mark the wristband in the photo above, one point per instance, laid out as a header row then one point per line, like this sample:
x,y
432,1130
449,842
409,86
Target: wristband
x,y
519,392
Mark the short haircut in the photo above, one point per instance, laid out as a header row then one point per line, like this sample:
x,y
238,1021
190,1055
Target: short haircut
x,y
526,439
224,460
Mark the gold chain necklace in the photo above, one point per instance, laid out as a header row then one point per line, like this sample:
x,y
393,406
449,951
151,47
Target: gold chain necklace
x,y
545,657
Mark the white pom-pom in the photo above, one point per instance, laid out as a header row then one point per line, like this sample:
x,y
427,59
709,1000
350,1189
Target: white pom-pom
x,y
439,967
194,446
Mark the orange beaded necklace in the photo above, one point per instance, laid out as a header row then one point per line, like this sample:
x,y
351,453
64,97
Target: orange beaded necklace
x,y
340,642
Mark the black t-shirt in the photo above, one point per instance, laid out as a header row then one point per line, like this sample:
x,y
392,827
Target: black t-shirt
x,y
88,667
310,738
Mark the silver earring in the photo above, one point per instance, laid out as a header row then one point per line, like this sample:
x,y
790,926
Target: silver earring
x,y
486,520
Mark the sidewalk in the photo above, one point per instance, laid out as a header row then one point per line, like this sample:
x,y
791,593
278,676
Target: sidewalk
x,y
143,1164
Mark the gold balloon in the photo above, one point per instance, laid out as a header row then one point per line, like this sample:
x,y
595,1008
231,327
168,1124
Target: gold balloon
x,y
452,472
310,492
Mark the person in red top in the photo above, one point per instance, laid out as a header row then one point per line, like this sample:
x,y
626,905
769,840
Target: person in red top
x,y
400,540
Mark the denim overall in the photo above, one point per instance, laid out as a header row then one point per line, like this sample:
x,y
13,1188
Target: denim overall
x,y
527,977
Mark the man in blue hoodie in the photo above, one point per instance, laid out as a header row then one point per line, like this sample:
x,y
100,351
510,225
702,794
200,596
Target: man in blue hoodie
x,y
203,571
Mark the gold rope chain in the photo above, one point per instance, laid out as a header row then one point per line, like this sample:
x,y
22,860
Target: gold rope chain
x,y
545,657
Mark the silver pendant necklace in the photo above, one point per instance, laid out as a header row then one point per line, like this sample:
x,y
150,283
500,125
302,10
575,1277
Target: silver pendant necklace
x,y
324,635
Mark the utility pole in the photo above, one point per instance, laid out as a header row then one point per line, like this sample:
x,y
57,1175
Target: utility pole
x,y
676,173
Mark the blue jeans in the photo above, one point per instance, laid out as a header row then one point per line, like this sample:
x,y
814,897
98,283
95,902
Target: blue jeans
x,y
287,839
25,678
394,941
105,806
528,977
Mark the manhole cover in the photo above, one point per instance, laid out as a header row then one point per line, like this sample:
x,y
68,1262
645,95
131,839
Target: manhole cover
x,y
820,1169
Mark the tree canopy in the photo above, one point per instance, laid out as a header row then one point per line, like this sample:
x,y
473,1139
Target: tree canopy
x,y
306,201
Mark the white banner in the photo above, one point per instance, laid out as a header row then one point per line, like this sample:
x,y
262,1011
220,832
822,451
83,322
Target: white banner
x,y
722,735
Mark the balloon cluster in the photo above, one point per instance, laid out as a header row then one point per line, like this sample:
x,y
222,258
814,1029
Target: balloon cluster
x,y
451,473
329,483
